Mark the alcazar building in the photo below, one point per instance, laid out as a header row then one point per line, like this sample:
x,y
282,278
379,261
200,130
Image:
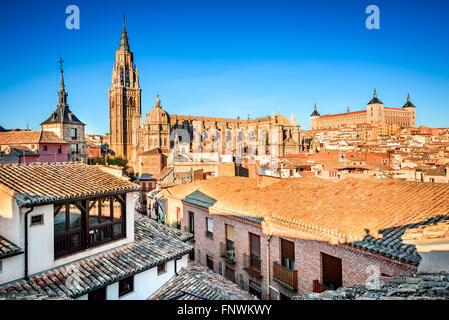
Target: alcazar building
x,y
130,136
375,113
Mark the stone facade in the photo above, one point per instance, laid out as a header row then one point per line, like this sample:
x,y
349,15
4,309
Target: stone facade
x,y
275,135
375,114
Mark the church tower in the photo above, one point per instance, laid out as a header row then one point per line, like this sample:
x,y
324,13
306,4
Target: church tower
x,y
124,103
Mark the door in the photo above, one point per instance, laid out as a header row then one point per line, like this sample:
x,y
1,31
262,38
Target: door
x,y
210,262
254,248
288,254
229,274
332,271
255,289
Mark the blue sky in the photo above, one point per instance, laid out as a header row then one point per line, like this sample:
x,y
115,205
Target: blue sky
x,y
226,58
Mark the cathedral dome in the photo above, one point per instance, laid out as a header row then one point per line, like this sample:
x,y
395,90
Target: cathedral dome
x,y
157,114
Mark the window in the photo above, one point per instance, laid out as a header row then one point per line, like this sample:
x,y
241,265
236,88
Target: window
x,y
1,266
98,295
288,254
84,224
191,222
125,286
210,262
59,149
210,228
331,271
229,237
73,133
178,218
161,269
37,220
45,148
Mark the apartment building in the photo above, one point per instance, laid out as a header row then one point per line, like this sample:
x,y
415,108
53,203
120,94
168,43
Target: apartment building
x,y
303,235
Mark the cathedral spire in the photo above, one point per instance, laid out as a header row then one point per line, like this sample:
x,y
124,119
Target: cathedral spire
x,y
62,94
124,38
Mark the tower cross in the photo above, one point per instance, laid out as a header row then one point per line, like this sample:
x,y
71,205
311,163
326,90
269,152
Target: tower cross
x,y
60,63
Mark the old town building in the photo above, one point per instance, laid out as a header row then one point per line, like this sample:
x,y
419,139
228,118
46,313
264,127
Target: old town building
x,y
31,146
130,137
302,235
70,231
66,125
376,113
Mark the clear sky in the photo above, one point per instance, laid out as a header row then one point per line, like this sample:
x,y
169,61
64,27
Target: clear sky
x,y
226,58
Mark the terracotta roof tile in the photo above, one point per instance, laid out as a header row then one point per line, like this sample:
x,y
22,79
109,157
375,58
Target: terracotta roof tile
x,y
40,183
200,283
152,246
7,248
370,213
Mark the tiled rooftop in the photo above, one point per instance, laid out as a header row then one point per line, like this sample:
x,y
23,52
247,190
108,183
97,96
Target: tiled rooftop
x,y
416,287
7,248
198,282
41,183
371,214
152,246
29,137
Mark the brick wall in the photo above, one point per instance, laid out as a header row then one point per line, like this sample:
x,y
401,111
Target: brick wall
x,y
357,265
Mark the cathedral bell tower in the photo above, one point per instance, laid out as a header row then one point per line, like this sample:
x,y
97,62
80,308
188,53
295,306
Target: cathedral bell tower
x,y
124,103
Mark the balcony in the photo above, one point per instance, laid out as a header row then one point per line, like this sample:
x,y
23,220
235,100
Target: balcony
x,y
228,254
285,277
252,265
318,287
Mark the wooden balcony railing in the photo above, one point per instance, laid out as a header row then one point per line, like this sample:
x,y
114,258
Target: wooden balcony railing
x,y
227,254
252,265
68,242
285,277
102,233
318,287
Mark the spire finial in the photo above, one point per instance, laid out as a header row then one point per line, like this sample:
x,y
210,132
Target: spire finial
x,y
375,93
348,109
408,97
158,101
124,37
314,108
62,73
62,94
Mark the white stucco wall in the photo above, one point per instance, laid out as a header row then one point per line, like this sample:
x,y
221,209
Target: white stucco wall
x,y
41,239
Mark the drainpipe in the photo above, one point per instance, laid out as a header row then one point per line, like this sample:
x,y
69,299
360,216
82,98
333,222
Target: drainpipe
x,y
268,264
26,242
176,268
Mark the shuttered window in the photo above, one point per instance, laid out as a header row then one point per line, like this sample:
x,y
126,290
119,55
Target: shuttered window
x,y
230,232
288,254
254,243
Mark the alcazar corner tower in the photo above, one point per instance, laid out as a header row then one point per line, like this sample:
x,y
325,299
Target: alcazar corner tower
x,y
129,136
